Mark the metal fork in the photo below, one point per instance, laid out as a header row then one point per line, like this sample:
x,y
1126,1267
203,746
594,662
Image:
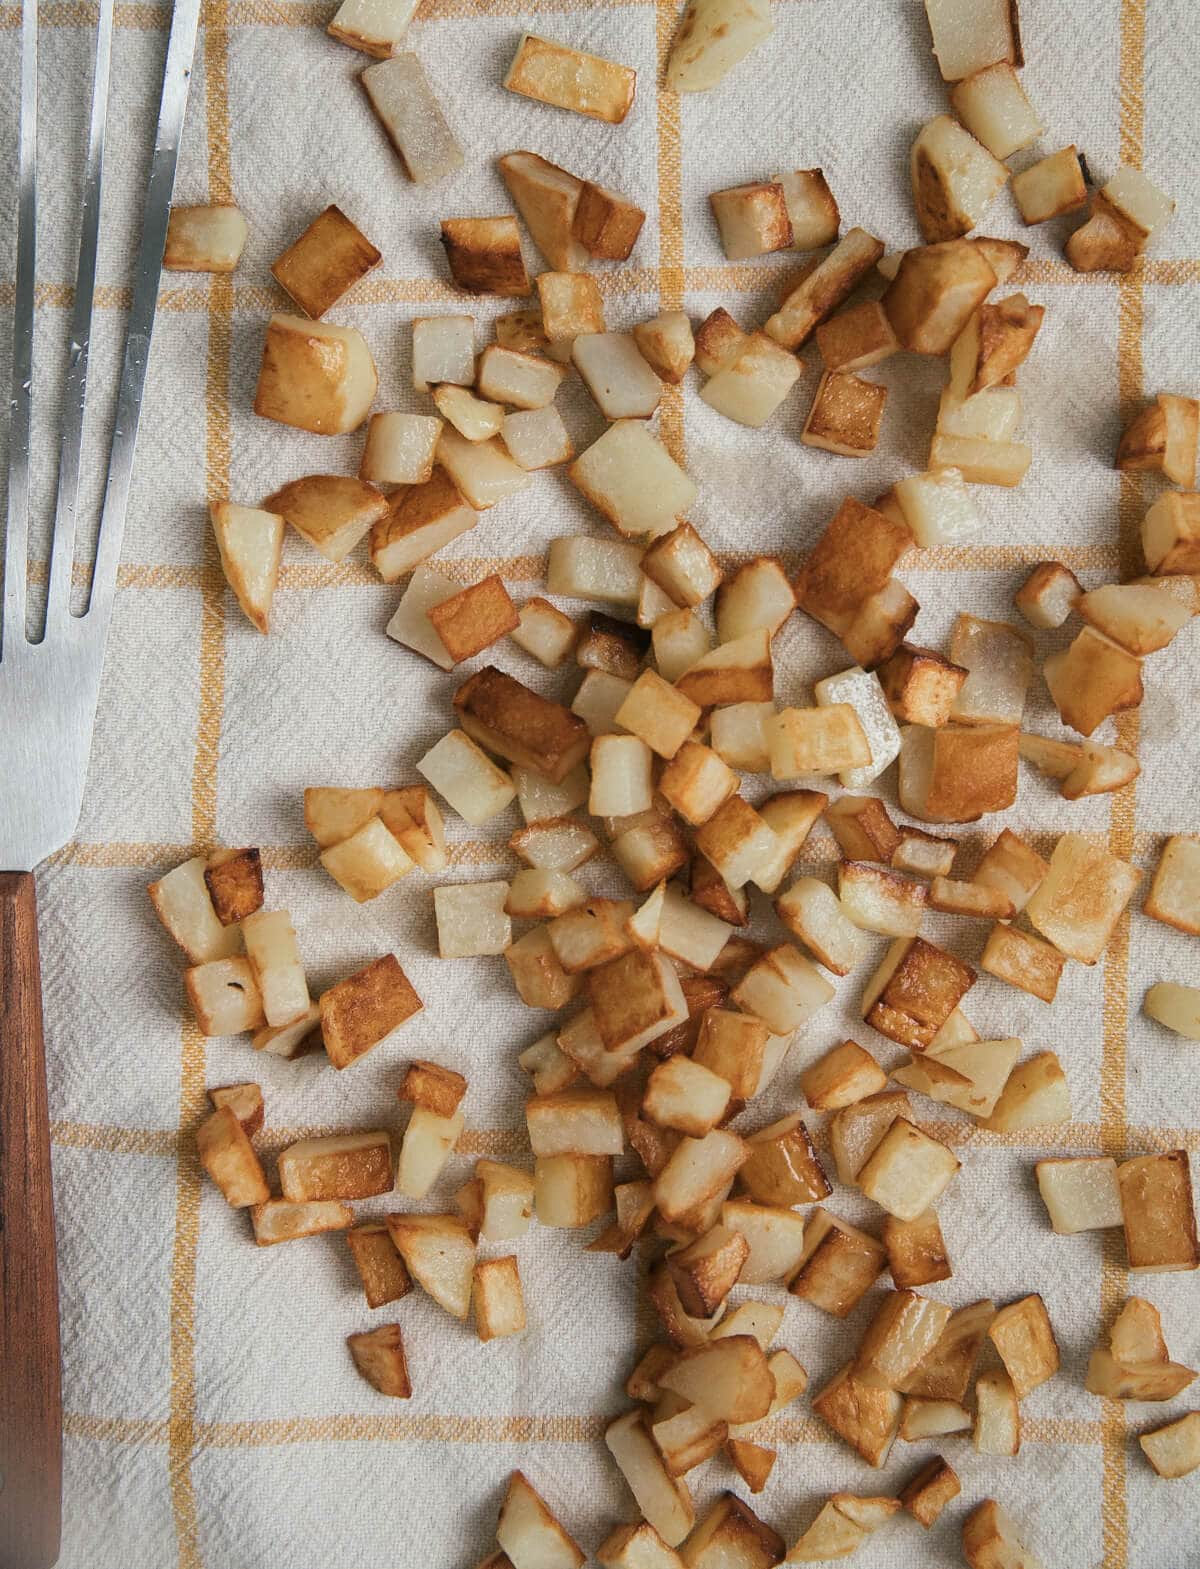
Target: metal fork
x,y
48,692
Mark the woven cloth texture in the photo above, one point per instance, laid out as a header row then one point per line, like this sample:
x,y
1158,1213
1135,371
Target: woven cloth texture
x,y
214,1420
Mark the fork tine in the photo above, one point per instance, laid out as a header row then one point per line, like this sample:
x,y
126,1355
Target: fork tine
x,y
181,44
66,510
16,528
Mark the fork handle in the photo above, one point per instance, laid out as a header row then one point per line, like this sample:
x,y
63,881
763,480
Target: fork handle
x,y
30,1372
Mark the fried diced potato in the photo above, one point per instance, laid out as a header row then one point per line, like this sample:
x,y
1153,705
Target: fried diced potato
x,y
616,375
846,414
498,1301
544,631
606,223
992,105
953,179
859,336
663,1500
274,956
484,255
204,239
569,79
528,1531
337,1166
666,344
428,1143
831,1534
928,1493
574,1122
629,476
997,1414
878,901
981,462
399,451
1174,895
959,898
466,777
423,518
758,597
225,1152
916,1252
811,911
921,685
820,293
537,894
471,417
845,1074
592,935
823,740
380,1267
907,1171
922,1418
250,544
698,1169
729,1378
775,1242
999,662
705,1272
939,510
183,903
1093,678
1080,1192
838,1266
1175,1007
246,1103
811,208
439,1255
1012,868
752,219
991,1539
1154,1380
993,344
1035,1095
412,117
331,511
718,341
790,815
362,1010
520,725
683,566
1136,1334
946,1372
924,855
1171,533
571,1190
622,770
539,978
713,37
1174,1450
957,773
732,1534
328,259
685,1435
278,1220
970,1076
1080,900
862,828
782,1167
741,671
938,287
607,643
547,198
754,381
752,1462
224,996
904,1330
471,919
735,839
783,989
379,1356
865,1416
1023,961
915,989
967,37
315,376
1051,186
1024,1339
634,999
856,1129
1158,1213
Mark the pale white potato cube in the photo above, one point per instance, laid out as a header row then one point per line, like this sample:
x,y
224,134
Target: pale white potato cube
x,y
999,660
688,933
525,381
616,375
991,103
938,508
204,239
631,478
990,415
606,570
427,1145
954,178
374,26
224,996
812,912
713,37
274,954
1138,200
537,438
482,470
752,219
182,903
528,1532
596,703
471,417
315,376
471,919
680,640
653,602
754,383
443,350
412,117
367,862
981,462
410,623
1080,1192
399,449
622,776
862,690
543,631
540,799
1174,1006
739,737
969,34
757,596
783,990
465,777
811,208
557,844
540,893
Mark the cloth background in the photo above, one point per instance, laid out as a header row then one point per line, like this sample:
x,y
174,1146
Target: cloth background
x,y
213,1417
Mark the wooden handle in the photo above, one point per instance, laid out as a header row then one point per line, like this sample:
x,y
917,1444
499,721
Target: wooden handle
x,y
30,1373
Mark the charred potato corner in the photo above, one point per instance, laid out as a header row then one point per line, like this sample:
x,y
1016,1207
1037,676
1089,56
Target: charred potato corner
x,y
712,846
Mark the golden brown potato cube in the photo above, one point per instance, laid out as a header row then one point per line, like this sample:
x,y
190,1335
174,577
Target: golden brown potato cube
x,y
696,782
421,519
845,1074
606,224
903,1332
916,1250
331,511
846,414
666,343
811,208
865,1416
1034,1095
859,336
736,840
246,1103
204,239
683,566
928,1493
839,1264
752,219
568,78
752,1462
224,996
991,1541
571,305
497,1298
1051,186
315,376
1023,961
935,293
1156,1380
819,293
1081,898
438,1089
1080,1192
519,725
234,882
1173,1450
367,863
327,260
1171,534
946,1372
823,740
960,898
782,1167
225,1152
856,1129
280,1220
1136,1334
1012,868
709,891
337,1166
924,855
658,714
592,935
705,1272
470,621
697,1171
908,1171
923,1418
379,1356
362,1010
571,1190
380,1267
635,998
1162,438
1024,1339
862,828
954,177
607,643
1174,895
732,1534
915,990
484,255
718,340
1158,1213
1091,679
182,903
851,561
1048,594
732,1045
997,340
921,685
741,671
958,773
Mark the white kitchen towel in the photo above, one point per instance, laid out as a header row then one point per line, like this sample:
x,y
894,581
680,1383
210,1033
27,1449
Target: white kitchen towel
x,y
214,1420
